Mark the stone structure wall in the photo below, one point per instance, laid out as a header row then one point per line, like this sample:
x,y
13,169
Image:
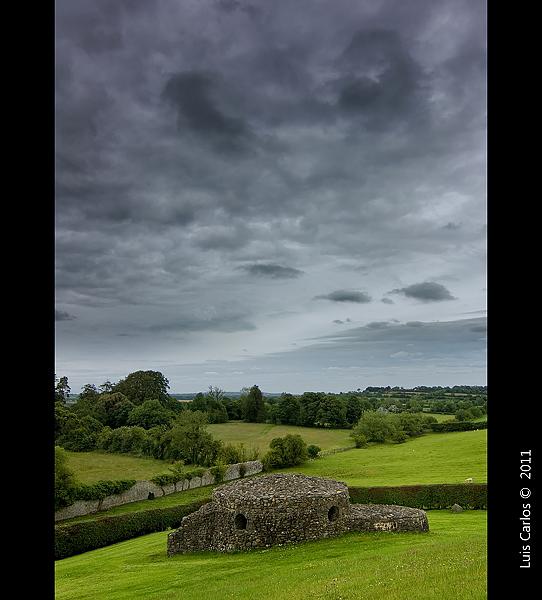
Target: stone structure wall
x,y
281,509
142,489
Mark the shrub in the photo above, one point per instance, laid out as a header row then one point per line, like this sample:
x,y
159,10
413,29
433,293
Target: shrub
x,y
313,450
101,489
360,440
433,496
288,451
219,471
81,537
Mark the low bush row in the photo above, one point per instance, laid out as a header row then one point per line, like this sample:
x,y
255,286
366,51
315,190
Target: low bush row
x,y
433,496
458,426
83,536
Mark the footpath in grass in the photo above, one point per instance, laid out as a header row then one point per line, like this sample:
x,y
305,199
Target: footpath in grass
x,y
431,458
447,562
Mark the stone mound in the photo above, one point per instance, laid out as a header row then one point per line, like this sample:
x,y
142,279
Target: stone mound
x,y
281,509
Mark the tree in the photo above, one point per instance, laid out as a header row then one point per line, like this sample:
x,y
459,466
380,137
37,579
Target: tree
x,y
144,385
113,409
375,426
64,479
62,390
252,405
87,401
288,451
149,414
288,411
190,441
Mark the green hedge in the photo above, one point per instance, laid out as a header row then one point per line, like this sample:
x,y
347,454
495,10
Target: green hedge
x,y
81,537
101,489
458,426
435,496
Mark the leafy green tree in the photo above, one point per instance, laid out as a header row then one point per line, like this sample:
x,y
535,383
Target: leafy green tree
x,y
375,426
149,414
253,406
288,410
62,390
79,434
113,409
288,451
144,385
190,441
64,479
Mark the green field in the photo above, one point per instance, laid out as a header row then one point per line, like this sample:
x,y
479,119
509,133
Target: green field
x,y
258,435
448,562
90,467
431,458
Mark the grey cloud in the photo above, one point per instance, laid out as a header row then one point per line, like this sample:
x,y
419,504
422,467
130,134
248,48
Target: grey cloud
x,y
346,296
272,271
191,94
428,291
61,315
414,324
387,301
377,325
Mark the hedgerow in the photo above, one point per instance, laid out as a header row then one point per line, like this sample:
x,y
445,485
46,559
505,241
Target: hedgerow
x,y
458,426
81,537
100,489
432,496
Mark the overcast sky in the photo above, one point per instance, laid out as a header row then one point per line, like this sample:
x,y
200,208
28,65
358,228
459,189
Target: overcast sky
x,y
287,193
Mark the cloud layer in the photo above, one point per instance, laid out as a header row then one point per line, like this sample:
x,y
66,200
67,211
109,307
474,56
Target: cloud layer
x,y
219,162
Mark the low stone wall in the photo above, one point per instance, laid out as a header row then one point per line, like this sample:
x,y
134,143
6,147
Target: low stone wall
x,y
142,489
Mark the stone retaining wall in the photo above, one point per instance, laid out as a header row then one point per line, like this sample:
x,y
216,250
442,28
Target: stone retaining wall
x,y
142,489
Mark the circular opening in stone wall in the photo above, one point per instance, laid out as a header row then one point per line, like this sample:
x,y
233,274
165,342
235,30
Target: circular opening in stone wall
x,y
240,521
333,513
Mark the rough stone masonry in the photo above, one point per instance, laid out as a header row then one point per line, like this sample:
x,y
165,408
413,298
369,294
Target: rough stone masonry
x,y
281,509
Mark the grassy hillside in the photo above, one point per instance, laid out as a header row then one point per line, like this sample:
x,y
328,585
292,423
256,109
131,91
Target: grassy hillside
x,y
431,458
448,562
89,467
260,434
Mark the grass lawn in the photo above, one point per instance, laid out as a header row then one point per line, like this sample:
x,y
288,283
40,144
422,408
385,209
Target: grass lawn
x,y
258,435
431,458
448,562
90,467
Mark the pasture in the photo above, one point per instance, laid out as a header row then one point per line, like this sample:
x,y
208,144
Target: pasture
x,y
259,435
430,458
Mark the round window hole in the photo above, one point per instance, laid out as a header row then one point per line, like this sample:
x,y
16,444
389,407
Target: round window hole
x,y
240,521
333,513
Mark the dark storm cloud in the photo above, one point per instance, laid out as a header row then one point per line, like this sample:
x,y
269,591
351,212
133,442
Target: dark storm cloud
x,y
191,94
61,315
428,291
196,139
346,296
272,271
